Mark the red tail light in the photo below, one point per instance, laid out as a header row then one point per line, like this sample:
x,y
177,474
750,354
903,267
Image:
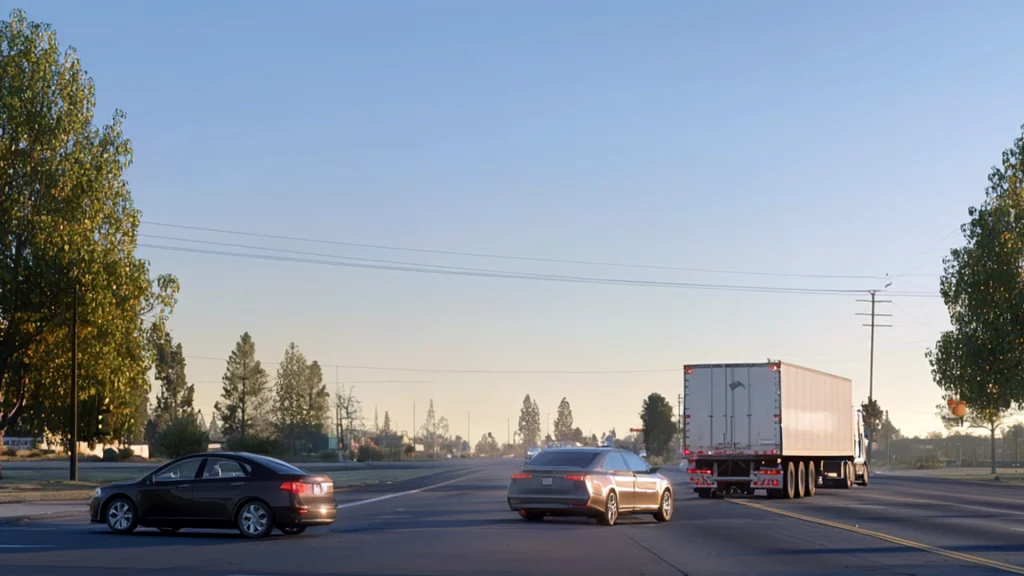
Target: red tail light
x,y
697,471
294,487
521,476
686,452
771,472
576,477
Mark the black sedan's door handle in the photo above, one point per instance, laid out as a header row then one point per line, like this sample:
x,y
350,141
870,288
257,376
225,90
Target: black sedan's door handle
x,y
180,486
238,483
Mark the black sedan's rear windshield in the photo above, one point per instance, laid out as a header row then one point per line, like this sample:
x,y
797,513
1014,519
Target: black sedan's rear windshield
x,y
565,459
278,466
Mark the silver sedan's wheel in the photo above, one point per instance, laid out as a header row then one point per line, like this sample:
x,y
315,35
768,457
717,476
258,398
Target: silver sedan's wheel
x,y
122,517
255,520
611,510
664,513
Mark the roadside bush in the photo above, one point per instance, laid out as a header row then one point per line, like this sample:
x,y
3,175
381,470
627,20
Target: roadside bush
x,y
181,438
368,453
256,445
126,453
9,452
409,450
328,456
111,455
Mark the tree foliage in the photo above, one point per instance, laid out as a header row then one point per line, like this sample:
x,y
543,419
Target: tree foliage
x,y
656,416
303,402
67,220
487,446
434,430
181,437
563,421
177,397
979,360
245,383
529,422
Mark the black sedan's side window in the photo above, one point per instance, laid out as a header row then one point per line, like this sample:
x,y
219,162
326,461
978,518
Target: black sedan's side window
x,y
224,468
185,470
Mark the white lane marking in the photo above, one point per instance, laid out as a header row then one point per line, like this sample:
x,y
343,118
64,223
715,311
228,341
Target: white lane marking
x,y
407,492
25,546
956,504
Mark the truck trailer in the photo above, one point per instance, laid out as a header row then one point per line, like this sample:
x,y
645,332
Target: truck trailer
x,y
770,426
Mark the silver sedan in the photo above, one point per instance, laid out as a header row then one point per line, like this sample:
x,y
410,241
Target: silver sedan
x,y
601,483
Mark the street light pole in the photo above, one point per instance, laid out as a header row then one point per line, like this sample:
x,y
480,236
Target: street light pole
x,y
73,472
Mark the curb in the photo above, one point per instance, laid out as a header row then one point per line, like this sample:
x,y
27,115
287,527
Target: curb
x,y
7,520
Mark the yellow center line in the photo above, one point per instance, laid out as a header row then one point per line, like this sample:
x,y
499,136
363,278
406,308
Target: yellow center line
x,y
892,539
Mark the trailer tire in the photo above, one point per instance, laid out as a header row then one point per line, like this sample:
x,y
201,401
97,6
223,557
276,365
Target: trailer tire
x,y
846,482
790,482
812,480
801,480
864,477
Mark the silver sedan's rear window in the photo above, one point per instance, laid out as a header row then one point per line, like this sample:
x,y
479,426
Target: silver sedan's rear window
x,y
564,459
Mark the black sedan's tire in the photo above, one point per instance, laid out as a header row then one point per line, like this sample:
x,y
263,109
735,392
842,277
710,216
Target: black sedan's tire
x,y
611,510
121,515
664,513
534,516
255,519
293,530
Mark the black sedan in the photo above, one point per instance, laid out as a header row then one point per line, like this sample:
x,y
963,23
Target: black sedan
x,y
249,492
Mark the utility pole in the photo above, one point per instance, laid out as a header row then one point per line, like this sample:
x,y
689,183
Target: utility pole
x,y
245,375
547,423
414,425
73,473
469,432
871,369
509,432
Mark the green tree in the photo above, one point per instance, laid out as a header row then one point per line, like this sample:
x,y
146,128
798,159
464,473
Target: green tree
x,y
246,388
873,416
181,437
176,396
978,360
434,430
303,401
529,422
656,416
386,428
67,221
563,421
487,446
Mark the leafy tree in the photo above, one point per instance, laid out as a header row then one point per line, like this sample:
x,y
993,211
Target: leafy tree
x,y
873,415
577,435
978,360
1014,435
67,221
176,396
529,422
246,389
302,399
487,446
656,416
181,437
563,421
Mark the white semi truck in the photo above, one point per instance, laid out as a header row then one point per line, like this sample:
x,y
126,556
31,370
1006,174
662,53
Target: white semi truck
x,y
770,426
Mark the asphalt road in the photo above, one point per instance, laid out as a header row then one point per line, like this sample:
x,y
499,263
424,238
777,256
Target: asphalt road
x,y
456,522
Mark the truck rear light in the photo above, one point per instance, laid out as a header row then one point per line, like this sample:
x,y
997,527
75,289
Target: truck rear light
x,y
775,482
697,471
687,370
521,476
686,452
774,367
294,487
576,477
771,472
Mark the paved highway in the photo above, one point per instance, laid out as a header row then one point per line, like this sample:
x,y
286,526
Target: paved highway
x,y
456,522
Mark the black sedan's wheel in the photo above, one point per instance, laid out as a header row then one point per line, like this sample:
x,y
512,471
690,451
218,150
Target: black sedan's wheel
x,y
664,513
611,510
293,530
167,530
255,520
534,516
122,515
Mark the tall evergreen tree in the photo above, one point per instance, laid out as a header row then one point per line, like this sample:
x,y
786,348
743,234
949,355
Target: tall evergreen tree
x,y
245,384
563,421
176,396
529,422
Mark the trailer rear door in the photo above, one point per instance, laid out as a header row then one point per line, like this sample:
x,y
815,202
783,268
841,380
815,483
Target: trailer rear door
x,y
731,409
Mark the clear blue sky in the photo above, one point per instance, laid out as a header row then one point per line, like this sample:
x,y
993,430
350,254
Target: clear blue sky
x,y
827,137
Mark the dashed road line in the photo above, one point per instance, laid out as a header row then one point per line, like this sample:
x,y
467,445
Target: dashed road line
x,y
887,538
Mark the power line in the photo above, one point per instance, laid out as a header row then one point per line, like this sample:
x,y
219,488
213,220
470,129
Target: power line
x,y
485,273
465,371
511,257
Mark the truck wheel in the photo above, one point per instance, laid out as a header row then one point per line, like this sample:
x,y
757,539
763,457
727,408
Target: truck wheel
x,y
864,477
790,480
847,479
801,480
812,480
703,492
